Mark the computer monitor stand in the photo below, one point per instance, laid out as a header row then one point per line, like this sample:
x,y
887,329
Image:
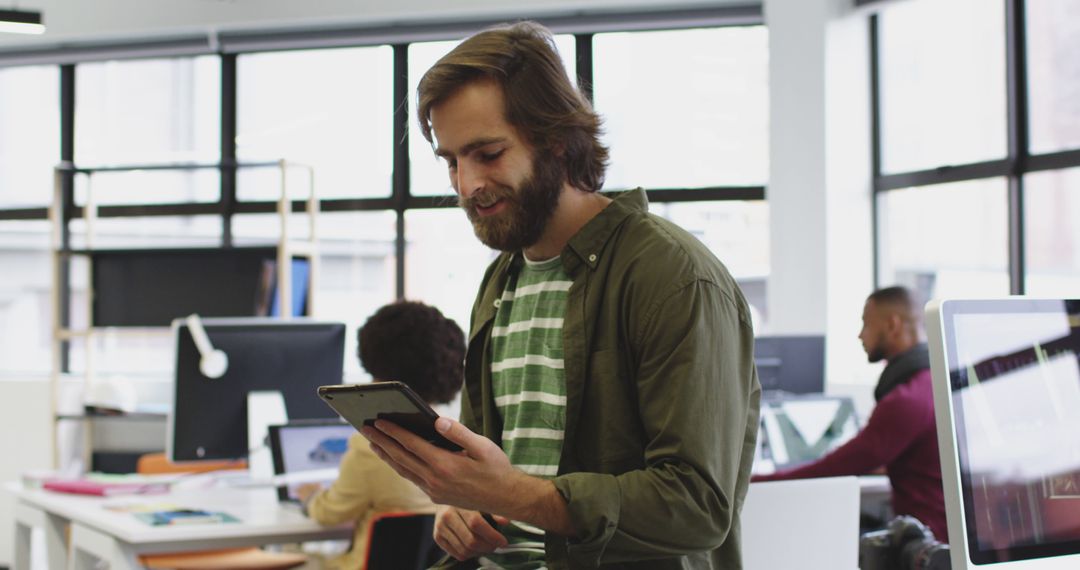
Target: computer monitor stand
x,y
264,409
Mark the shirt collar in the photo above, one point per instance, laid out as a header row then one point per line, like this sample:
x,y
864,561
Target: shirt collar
x,y
587,246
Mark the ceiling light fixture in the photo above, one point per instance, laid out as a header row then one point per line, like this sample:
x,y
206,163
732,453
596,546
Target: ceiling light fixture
x,y
21,22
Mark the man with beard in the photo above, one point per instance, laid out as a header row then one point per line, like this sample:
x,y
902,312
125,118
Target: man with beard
x,y
900,435
610,411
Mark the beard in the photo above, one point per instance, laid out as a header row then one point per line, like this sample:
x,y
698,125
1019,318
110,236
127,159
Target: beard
x,y
528,208
875,353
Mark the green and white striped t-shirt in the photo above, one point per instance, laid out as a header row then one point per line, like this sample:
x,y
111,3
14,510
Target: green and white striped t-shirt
x,y
530,389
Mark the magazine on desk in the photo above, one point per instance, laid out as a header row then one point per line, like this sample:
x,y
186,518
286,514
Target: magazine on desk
x,y
162,514
86,486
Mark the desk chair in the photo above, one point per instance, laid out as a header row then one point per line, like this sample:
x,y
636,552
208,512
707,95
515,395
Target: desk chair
x,y
401,541
158,463
252,558
229,559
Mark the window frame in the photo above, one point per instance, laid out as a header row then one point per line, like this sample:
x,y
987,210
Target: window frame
x,y
228,45
1018,160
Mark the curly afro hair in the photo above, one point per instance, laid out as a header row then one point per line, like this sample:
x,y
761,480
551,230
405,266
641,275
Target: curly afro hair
x,y
415,344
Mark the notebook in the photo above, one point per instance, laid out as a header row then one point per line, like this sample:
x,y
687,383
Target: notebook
x,y
308,451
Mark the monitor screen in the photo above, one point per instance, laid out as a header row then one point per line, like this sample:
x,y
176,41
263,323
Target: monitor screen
x,y
1007,397
793,364
152,287
799,429
315,446
209,417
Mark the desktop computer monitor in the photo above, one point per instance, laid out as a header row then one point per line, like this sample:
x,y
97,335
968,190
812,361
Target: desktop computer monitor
x,y
209,416
1007,400
792,364
797,429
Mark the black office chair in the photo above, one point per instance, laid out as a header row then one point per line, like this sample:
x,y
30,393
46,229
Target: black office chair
x,y
402,541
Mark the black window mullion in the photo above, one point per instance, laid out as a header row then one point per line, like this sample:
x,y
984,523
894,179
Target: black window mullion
x,y
400,186
227,199
875,150
1017,115
67,201
584,64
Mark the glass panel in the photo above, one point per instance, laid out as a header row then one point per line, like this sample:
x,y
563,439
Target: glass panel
x,y
1053,34
738,235
147,351
444,262
1052,236
700,119
947,240
148,111
148,231
428,175
942,83
330,109
357,266
30,137
25,298
149,186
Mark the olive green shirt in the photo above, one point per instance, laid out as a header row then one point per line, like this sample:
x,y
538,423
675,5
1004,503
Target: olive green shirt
x,y
662,394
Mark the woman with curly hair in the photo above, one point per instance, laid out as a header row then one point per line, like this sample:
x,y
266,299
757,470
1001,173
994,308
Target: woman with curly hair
x,y
407,342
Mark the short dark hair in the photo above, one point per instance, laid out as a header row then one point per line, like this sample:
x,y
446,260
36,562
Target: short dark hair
x,y
415,344
540,101
901,299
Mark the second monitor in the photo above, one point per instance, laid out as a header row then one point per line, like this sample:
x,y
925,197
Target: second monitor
x,y
792,364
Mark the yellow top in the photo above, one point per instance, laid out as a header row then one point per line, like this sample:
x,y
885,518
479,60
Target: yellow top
x,y
365,487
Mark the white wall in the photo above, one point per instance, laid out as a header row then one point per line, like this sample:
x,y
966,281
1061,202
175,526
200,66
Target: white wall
x,y
24,444
819,181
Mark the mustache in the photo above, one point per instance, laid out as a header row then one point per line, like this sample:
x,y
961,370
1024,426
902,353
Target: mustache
x,y
485,197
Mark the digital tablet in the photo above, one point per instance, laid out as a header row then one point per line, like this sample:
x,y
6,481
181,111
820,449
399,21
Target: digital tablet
x,y
362,404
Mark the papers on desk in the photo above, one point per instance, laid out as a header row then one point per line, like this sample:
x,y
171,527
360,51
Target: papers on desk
x,y
165,514
242,479
86,486
185,516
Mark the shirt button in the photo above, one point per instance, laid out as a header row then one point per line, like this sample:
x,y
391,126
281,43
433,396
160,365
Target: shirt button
x,y
592,258
497,303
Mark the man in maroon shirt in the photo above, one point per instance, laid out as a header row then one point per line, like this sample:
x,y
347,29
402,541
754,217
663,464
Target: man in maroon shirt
x,y
900,435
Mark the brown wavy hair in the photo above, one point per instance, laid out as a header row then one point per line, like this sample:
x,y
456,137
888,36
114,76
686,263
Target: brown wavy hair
x,y
541,102
415,344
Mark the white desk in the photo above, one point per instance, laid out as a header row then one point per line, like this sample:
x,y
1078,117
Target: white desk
x,y
118,538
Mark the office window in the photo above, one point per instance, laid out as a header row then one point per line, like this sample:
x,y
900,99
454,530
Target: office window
x,y
1052,246
356,256
30,137
945,240
686,108
25,298
143,352
737,232
444,262
1053,36
146,231
427,174
330,109
140,186
158,111
124,233
942,83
